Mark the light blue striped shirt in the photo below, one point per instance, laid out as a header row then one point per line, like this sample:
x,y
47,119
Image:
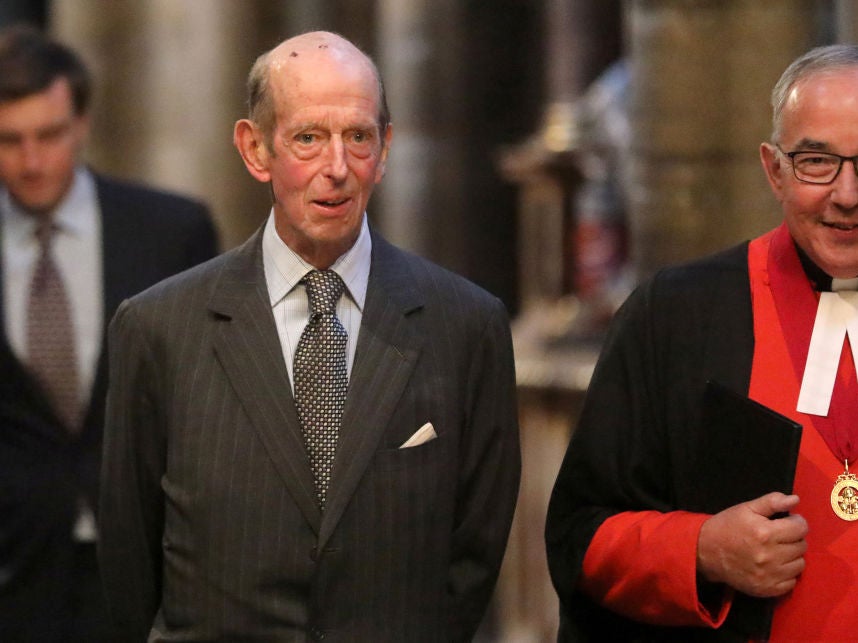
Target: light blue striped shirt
x,y
284,269
77,252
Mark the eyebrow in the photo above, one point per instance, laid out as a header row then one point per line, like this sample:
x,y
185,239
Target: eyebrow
x,y
811,144
364,126
51,129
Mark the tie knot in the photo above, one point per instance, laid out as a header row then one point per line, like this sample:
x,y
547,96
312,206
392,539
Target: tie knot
x,y
45,229
324,288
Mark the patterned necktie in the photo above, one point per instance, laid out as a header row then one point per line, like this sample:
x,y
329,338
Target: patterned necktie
x,y
50,334
320,375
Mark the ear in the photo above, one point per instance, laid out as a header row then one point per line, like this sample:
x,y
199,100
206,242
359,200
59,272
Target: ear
x,y
248,140
385,150
774,167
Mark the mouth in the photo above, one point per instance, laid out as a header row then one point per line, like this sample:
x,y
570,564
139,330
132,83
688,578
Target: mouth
x,y
32,182
842,227
330,203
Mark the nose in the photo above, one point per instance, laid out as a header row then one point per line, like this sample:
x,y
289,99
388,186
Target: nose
x,y
845,189
31,155
337,162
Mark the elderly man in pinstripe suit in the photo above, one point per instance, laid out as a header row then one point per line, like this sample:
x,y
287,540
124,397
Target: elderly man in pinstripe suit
x,y
219,523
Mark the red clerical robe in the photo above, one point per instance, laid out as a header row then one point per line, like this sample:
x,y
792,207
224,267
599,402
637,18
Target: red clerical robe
x,y
821,607
641,564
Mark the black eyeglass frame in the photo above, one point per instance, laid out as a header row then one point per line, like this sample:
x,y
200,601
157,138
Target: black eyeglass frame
x,y
840,159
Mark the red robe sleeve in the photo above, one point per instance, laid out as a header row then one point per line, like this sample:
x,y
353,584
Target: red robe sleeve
x,y
643,565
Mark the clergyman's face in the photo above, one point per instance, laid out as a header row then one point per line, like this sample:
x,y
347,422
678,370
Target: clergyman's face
x,y
820,115
41,138
328,151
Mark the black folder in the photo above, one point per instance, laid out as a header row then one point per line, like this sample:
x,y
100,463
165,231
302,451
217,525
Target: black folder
x,y
746,450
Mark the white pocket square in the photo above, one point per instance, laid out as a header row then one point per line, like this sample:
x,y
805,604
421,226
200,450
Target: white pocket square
x,y
421,436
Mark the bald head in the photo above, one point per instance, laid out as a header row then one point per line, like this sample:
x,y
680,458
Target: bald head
x,y
314,47
300,57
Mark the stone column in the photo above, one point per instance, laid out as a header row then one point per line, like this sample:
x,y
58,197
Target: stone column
x,y
701,74
845,20
170,78
421,198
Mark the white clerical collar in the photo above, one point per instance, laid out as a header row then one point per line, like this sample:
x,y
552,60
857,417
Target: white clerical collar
x,y
844,284
836,316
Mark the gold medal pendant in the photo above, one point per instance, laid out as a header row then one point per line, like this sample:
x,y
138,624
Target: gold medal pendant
x,y
844,496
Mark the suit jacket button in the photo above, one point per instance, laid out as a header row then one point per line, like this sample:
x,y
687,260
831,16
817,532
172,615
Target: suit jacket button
x,y
316,634
314,554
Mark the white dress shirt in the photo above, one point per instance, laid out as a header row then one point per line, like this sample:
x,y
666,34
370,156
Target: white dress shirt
x,y
284,269
77,252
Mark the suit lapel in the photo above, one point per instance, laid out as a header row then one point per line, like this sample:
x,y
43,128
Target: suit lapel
x,y
248,348
116,271
117,246
388,348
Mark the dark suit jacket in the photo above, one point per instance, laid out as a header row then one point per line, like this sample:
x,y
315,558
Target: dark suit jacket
x,y
147,236
631,449
211,527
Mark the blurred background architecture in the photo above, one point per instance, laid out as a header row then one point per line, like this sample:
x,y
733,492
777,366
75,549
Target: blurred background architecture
x,y
553,151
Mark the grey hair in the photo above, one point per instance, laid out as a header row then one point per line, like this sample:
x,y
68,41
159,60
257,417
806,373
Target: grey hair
x,y
816,61
260,103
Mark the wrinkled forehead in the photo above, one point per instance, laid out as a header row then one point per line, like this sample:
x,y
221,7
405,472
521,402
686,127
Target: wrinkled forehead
x,y
318,53
321,66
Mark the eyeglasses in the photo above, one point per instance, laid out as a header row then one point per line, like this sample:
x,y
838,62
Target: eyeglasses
x,y
820,168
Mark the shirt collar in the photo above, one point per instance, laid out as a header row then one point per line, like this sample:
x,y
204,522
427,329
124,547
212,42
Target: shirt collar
x,y
284,268
70,215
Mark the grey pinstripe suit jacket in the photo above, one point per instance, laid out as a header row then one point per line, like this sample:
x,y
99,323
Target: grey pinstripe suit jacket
x,y
210,529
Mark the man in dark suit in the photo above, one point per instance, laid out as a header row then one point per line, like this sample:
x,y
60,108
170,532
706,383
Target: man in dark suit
x,y
230,512
107,241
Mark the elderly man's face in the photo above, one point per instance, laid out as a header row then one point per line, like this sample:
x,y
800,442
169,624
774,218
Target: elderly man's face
x,y
328,153
41,137
820,115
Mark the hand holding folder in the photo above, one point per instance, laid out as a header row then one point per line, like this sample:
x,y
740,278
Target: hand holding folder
x,y
746,451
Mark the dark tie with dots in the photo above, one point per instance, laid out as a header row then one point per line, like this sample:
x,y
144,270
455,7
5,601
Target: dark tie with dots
x,y
320,375
50,334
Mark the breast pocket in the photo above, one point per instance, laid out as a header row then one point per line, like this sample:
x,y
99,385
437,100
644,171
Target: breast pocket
x,y
422,455
408,483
